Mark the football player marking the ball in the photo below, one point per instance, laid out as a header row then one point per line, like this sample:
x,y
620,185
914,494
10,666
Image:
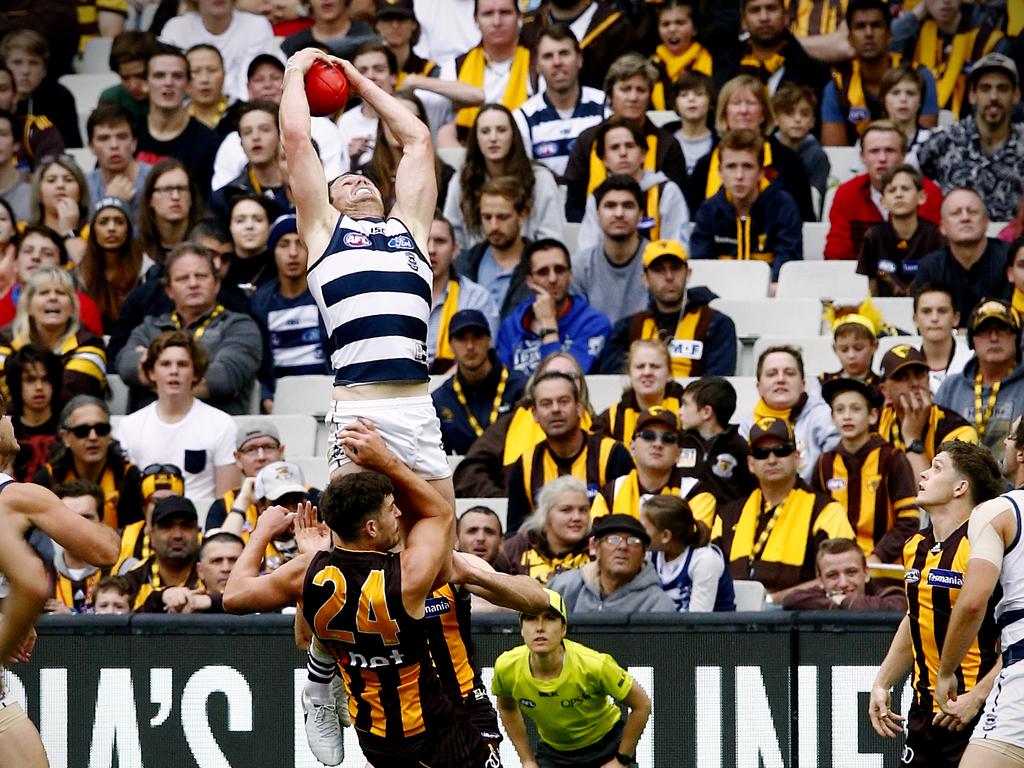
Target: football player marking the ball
x,y
368,273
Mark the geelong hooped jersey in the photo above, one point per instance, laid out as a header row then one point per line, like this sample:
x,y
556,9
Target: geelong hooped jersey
x,y
373,288
1010,610
353,602
4,481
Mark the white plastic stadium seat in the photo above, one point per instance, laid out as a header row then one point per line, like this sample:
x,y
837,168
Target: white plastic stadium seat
x,y
814,233
571,236
605,389
118,394
845,162
888,342
746,394
750,595
309,395
83,157
314,469
822,279
86,89
826,204
499,505
732,279
298,432
454,461
453,156
815,350
662,117
897,311
202,510
96,57
995,227
772,317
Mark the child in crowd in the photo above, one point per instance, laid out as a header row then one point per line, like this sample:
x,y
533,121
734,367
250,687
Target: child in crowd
x,y
678,52
854,340
711,448
691,570
867,475
34,378
695,93
113,595
936,320
742,221
795,107
892,249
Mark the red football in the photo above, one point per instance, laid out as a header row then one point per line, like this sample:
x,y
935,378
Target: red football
x,y
326,88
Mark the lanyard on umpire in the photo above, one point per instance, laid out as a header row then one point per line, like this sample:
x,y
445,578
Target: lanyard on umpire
x,y
479,430
981,418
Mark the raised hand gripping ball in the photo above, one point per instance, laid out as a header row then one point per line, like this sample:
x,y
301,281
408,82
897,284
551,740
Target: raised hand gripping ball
x,y
326,88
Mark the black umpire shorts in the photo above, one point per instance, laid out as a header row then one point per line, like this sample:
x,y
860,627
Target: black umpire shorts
x,y
930,746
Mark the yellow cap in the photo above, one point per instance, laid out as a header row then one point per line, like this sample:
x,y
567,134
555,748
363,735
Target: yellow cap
x,y
659,248
854,319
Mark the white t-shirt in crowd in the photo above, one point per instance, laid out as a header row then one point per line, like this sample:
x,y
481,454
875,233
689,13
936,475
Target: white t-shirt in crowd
x,y
204,439
246,37
447,28
354,124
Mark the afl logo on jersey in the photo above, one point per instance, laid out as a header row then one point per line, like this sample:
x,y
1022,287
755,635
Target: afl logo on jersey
x,y
401,243
356,240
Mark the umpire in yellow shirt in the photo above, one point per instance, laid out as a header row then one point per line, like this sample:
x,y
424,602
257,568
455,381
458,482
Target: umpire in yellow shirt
x,y
564,688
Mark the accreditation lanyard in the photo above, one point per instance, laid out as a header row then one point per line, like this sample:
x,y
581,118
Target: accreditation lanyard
x,y
198,332
494,406
981,418
758,547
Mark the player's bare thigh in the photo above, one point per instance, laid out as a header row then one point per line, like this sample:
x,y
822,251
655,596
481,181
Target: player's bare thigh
x,y
443,486
992,754
20,746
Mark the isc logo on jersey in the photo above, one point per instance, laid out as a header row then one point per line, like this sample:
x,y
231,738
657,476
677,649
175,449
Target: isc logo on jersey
x,y
356,240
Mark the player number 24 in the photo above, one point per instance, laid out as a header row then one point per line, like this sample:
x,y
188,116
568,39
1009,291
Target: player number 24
x,y
372,616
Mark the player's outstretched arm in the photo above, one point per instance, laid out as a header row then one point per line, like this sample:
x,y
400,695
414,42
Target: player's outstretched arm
x,y
247,591
518,592
29,588
515,727
415,179
639,704
894,666
93,542
314,213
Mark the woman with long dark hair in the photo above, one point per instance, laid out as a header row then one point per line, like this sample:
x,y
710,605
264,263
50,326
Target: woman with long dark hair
x,y
112,261
60,200
495,149
170,206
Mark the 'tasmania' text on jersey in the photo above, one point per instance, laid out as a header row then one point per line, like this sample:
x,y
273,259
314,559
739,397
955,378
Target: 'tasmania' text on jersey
x,y
373,288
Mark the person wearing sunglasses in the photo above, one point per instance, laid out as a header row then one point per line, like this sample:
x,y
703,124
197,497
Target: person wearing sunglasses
x,y
620,580
655,449
85,450
771,535
553,319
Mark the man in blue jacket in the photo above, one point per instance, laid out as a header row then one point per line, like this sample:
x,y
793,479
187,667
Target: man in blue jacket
x,y
747,218
701,341
553,320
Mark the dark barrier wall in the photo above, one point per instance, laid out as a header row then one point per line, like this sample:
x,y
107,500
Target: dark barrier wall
x,y
153,692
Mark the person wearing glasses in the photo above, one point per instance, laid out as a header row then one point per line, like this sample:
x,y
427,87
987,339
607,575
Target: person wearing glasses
x,y
85,451
655,448
255,447
620,579
772,535
553,319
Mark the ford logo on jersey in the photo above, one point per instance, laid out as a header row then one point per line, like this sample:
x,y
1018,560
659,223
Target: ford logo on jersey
x,y
401,243
940,577
356,240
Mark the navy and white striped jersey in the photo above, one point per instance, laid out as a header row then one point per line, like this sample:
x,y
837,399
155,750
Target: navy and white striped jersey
x,y
373,288
548,136
1010,609
294,340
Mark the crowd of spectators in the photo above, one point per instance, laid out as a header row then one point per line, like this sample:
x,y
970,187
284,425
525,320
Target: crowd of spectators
x,y
589,154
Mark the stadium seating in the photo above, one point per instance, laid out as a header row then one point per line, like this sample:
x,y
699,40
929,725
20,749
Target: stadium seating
x,y
774,317
605,389
83,157
662,117
87,89
845,162
750,595
298,432
732,279
314,469
453,156
96,57
571,235
817,280
816,351
303,394
118,401
814,233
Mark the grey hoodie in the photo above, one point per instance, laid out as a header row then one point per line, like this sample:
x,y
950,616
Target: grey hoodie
x,y
957,394
582,593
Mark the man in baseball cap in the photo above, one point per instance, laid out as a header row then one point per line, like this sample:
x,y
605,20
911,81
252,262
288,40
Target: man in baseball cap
x,y
987,139
989,391
910,421
778,553
655,449
620,580
159,481
482,388
701,341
